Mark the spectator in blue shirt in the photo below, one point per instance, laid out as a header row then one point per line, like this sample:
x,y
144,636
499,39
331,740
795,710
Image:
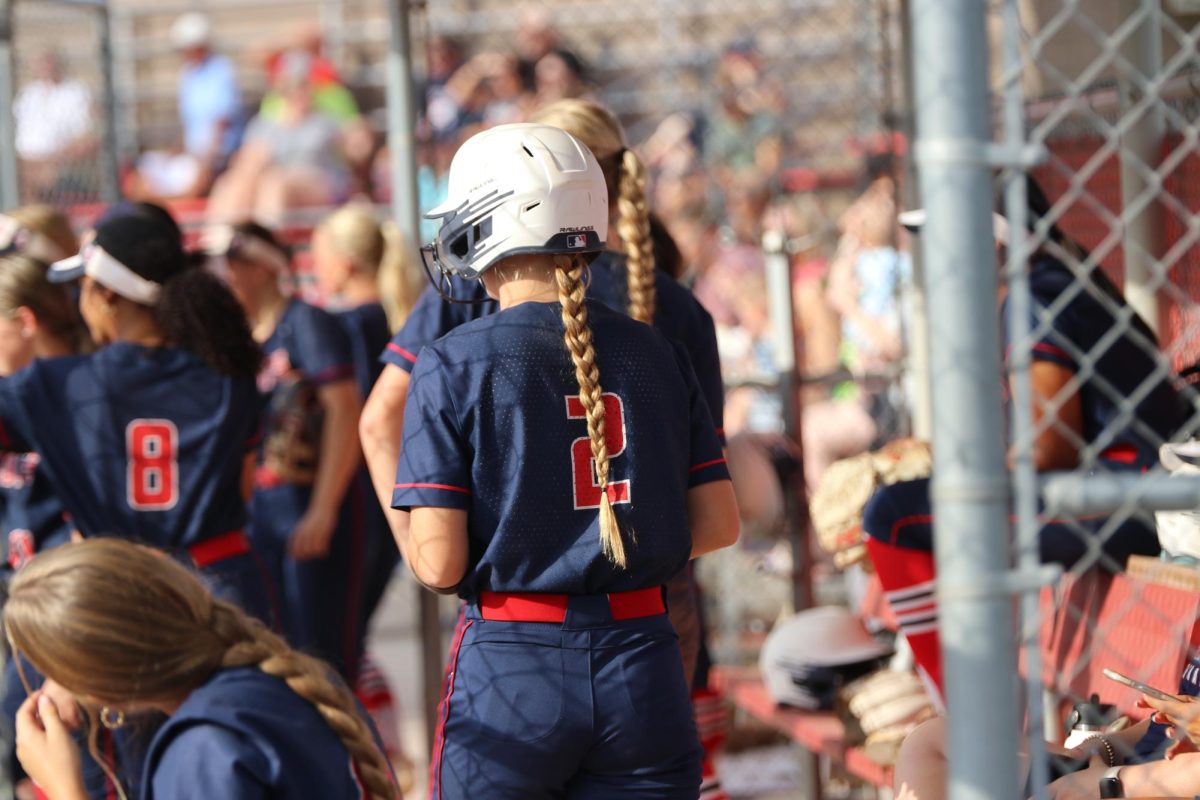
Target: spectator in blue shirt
x,y
210,105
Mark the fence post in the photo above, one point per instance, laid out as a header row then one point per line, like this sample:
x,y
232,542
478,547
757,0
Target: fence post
x,y
9,187
1141,148
110,165
778,266
969,486
402,124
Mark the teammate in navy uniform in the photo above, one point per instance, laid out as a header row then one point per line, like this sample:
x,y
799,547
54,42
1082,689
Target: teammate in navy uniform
x,y
362,268
553,488
1090,432
307,458
247,716
148,435
37,320
627,276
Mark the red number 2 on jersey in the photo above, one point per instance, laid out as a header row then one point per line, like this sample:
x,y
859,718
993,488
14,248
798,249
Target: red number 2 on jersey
x,y
583,466
152,479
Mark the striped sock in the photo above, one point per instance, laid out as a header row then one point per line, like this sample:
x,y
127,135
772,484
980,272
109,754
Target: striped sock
x,y
908,584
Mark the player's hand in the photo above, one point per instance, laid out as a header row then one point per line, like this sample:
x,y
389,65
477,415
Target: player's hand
x,y
312,535
47,751
1183,715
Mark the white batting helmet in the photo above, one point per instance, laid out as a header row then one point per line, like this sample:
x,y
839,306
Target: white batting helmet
x,y
516,189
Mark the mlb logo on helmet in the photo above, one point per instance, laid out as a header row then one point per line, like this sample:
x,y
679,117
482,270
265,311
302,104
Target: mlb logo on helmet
x,y
576,240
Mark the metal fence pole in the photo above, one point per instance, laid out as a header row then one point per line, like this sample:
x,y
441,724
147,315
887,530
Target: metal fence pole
x,y
778,267
969,487
9,187
917,332
1019,323
110,166
401,116
1141,147
402,122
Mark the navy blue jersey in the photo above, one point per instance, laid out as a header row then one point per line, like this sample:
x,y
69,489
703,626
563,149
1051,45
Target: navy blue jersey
x,y
144,443
681,318
432,318
368,331
1120,367
245,735
31,515
308,349
677,314
494,426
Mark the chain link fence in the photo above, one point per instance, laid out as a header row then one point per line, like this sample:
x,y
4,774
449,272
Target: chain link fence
x,y
1088,363
62,149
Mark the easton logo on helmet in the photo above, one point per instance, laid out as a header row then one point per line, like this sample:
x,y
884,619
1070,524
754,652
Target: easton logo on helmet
x,y
576,241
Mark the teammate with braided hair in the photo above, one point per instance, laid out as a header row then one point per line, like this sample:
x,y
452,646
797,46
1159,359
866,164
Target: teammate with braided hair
x,y
126,630
650,294
559,464
633,280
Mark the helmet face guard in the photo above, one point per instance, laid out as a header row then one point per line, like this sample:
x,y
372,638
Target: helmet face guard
x,y
464,233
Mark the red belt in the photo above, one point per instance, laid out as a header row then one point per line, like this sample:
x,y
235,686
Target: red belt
x,y
219,548
1121,453
533,607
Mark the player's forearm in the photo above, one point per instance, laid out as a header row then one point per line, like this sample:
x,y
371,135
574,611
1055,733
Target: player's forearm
x,y
712,517
1179,777
339,447
381,430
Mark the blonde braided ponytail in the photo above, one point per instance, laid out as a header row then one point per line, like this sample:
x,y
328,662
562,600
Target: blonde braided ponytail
x,y
633,226
248,643
578,337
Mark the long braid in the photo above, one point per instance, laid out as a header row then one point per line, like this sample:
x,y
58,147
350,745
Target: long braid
x,y
633,225
248,643
578,337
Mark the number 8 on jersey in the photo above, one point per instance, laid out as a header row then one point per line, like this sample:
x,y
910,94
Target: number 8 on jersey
x,y
153,473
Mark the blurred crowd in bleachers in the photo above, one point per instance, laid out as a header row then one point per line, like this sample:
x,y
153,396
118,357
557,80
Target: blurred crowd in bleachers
x,y
721,171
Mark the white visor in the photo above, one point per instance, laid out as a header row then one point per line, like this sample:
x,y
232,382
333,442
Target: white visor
x,y
98,265
221,240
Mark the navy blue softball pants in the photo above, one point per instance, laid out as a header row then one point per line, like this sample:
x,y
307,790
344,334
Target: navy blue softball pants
x,y
586,709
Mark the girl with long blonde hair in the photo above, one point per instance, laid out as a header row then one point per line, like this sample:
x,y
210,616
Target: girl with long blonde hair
x,y
627,275
126,630
559,464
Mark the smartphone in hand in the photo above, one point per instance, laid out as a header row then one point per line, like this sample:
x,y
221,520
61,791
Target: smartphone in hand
x,y
1144,688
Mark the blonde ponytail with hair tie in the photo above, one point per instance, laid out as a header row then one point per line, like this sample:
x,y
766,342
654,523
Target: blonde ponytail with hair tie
x,y
569,271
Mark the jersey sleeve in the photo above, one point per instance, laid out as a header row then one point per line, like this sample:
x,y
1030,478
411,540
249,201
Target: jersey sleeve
x,y
706,461
1051,334
432,318
207,761
706,361
424,325
435,459
320,347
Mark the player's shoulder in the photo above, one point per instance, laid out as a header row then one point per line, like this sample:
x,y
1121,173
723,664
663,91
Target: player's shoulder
x,y
1048,276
